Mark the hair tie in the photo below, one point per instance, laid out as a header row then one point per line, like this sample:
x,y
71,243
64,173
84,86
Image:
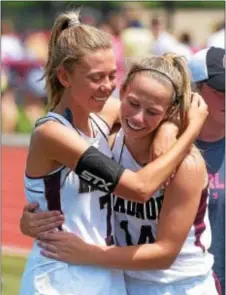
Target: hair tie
x,y
74,23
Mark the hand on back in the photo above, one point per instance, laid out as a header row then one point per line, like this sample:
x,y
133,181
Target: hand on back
x,y
33,223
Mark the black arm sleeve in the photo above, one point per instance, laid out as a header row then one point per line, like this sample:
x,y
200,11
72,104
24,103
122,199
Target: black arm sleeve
x,y
99,171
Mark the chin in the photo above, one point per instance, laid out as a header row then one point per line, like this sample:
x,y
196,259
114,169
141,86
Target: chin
x,y
97,107
134,134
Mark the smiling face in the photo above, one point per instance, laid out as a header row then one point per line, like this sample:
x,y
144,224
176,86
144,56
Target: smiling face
x,y
216,103
145,102
93,80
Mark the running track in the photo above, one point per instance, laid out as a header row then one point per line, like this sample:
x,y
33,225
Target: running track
x,y
13,200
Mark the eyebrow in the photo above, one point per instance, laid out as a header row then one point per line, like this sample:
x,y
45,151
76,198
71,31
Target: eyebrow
x,y
132,96
155,109
102,72
151,107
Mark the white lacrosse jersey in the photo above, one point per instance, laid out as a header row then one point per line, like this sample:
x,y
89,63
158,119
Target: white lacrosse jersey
x,y
137,223
88,214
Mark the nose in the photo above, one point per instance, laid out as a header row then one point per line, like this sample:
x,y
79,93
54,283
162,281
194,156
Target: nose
x,y
107,85
139,117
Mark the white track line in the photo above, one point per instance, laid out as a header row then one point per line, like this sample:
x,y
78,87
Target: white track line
x,y
15,251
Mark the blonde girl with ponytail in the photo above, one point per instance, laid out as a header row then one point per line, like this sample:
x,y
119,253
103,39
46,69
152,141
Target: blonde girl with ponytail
x,y
80,77
162,243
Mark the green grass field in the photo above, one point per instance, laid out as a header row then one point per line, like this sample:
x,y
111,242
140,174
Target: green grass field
x,y
12,269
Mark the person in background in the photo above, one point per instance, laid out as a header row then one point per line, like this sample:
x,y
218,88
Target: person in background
x,y
137,40
187,40
114,24
11,44
217,39
23,100
21,108
208,72
34,101
9,107
36,45
165,42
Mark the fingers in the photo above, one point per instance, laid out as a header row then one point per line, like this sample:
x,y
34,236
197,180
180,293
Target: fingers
x,y
197,100
50,223
49,236
48,227
48,250
32,224
44,218
49,254
194,99
202,102
167,182
199,104
31,207
47,246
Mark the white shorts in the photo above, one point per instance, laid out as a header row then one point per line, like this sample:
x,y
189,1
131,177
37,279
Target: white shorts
x,y
59,278
196,286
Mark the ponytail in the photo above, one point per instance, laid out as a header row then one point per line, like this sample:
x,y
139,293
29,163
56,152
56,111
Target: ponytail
x,y
68,42
183,99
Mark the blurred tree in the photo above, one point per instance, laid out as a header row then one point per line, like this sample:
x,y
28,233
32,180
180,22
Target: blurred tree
x,y
41,14
186,4
170,9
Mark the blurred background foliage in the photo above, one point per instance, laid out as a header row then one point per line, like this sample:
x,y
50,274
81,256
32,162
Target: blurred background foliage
x,y
45,11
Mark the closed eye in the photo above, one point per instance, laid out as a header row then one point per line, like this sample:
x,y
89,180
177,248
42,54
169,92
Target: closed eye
x,y
112,77
96,77
134,104
152,113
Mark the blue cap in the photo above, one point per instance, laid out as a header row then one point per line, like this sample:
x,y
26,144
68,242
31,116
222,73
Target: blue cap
x,y
207,65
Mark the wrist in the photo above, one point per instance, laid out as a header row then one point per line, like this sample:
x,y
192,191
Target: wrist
x,y
96,254
193,131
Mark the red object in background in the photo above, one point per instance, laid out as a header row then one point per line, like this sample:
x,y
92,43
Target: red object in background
x,y
13,199
21,66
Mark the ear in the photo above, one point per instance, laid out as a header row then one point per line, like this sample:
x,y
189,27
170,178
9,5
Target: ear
x,y
167,115
63,77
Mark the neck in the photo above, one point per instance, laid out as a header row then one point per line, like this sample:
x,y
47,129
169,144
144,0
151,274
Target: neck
x,y
140,149
79,116
212,131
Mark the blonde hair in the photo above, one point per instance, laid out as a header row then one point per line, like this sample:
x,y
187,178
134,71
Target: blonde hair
x,y
69,42
171,70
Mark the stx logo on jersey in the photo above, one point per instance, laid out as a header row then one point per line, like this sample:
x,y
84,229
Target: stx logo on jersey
x,y
97,181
